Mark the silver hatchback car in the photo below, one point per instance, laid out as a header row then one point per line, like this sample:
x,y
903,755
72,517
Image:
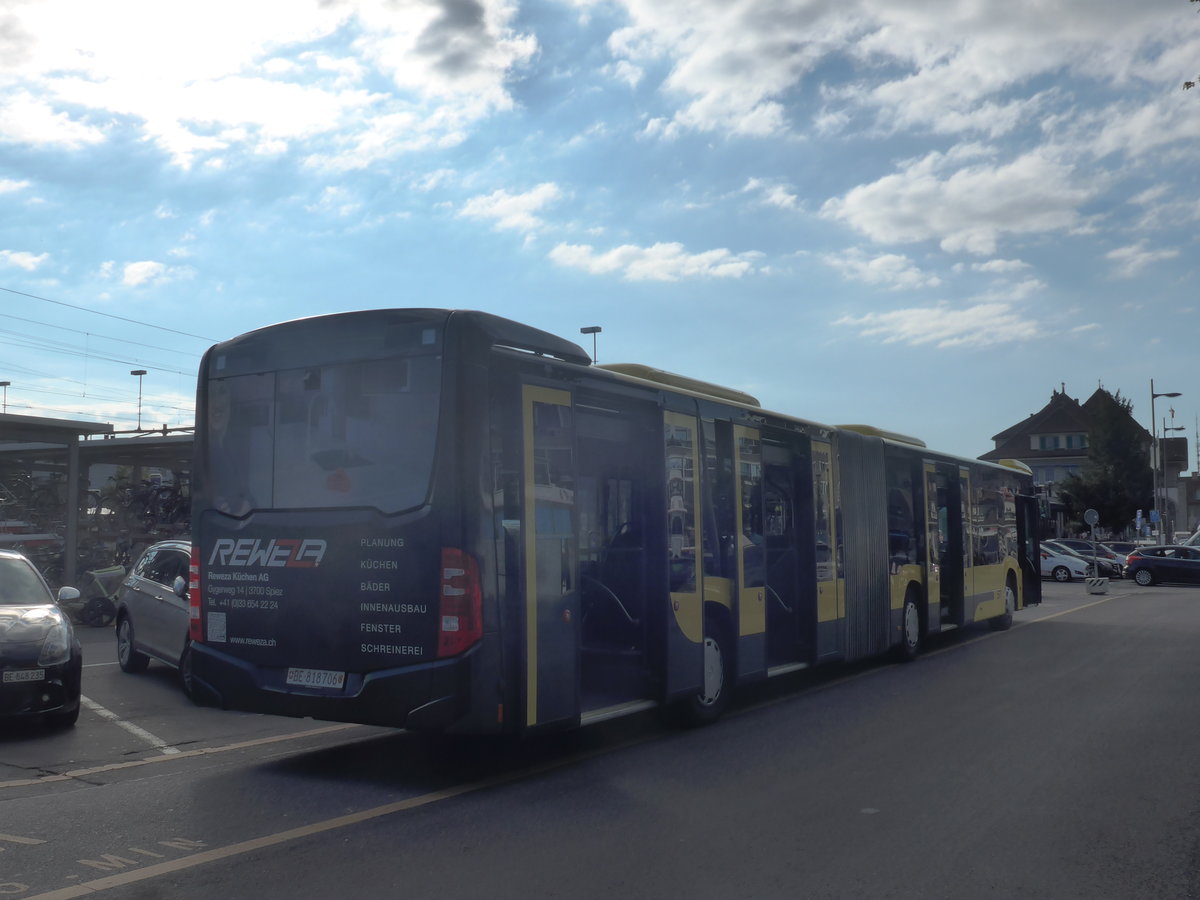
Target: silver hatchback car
x,y
152,611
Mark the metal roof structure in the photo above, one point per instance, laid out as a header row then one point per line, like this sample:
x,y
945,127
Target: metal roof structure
x,y
71,446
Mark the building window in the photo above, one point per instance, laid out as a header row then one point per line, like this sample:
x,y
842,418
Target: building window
x,y
1048,442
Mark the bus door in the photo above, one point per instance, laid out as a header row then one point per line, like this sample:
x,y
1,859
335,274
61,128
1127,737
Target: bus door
x,y
750,554
684,646
1028,520
943,544
551,608
831,609
787,529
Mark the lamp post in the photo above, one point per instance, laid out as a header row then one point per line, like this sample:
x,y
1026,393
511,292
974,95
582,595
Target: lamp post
x,y
593,330
1166,513
139,373
1154,446
5,384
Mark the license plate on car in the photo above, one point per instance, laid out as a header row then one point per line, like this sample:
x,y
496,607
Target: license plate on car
x,y
14,675
321,678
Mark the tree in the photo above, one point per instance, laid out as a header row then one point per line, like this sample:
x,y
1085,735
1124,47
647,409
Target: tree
x,y
1116,480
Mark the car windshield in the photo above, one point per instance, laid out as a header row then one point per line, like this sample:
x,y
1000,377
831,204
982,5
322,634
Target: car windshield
x,y
20,584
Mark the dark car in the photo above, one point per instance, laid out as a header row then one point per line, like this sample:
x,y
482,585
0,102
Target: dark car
x,y
1105,567
40,658
1167,562
152,610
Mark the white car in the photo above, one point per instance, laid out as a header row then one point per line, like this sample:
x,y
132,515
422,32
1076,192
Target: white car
x,y
1062,568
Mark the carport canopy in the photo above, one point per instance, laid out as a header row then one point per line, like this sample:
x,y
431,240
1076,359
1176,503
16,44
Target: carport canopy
x,y
17,433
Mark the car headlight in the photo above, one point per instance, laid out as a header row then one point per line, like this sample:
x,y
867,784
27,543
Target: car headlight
x,y
56,648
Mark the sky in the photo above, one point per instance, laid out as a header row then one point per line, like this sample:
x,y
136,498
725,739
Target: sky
x,y
922,215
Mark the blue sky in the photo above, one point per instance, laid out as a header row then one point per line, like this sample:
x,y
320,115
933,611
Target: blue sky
x,y
923,215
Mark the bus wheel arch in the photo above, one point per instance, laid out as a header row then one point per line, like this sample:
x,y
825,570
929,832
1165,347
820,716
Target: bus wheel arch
x,y
710,702
1004,621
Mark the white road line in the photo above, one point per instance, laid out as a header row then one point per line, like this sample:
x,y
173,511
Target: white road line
x,y
185,754
136,730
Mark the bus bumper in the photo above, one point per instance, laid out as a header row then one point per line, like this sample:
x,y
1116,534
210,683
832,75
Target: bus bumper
x,y
423,697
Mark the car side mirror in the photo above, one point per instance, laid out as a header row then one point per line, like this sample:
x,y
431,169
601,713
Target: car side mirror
x,y
68,593
180,587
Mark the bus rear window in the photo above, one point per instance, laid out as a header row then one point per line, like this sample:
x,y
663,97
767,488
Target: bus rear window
x,y
340,435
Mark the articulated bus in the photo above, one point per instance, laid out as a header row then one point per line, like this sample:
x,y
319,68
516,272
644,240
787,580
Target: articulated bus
x,y
445,520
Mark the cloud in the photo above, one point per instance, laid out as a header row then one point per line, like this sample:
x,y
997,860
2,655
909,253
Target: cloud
x,y
9,186
147,272
25,119
999,266
512,211
772,194
387,76
981,325
660,262
22,259
890,269
1132,259
965,208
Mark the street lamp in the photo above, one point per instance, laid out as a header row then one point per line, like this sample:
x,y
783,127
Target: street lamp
x,y
1166,514
5,384
1154,445
593,330
140,372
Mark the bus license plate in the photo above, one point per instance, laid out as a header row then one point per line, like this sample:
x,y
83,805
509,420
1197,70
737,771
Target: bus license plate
x,y
322,678
24,675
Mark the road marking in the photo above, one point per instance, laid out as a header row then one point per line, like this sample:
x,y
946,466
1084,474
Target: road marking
x,y
97,665
180,754
136,730
87,888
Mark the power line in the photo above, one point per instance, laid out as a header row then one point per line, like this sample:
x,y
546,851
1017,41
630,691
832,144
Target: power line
x,y
109,315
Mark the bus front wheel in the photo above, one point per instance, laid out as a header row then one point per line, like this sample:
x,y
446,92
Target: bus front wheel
x,y
910,629
707,704
1004,622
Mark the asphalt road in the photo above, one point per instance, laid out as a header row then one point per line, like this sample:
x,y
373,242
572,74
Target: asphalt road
x,y
1054,760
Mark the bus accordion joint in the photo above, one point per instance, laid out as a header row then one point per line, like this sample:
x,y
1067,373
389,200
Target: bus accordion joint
x,y
195,629
460,613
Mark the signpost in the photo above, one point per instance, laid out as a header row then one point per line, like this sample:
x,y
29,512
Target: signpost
x,y
1095,584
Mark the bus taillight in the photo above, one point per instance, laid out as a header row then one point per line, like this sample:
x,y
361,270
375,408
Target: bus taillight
x,y
195,630
460,620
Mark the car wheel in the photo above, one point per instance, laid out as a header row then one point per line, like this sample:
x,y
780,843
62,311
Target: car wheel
x,y
1004,622
128,658
185,671
1061,573
1144,577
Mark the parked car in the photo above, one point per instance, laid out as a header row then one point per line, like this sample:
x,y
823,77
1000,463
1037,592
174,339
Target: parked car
x,y
41,662
1105,567
152,611
1097,548
1121,548
1166,562
1062,568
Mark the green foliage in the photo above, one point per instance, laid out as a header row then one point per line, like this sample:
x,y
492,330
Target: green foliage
x,y
1116,480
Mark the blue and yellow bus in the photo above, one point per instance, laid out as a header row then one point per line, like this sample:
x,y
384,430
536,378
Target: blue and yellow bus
x,y
446,520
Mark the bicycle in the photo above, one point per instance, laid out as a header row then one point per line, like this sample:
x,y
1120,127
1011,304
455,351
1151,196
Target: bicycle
x,y
97,603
